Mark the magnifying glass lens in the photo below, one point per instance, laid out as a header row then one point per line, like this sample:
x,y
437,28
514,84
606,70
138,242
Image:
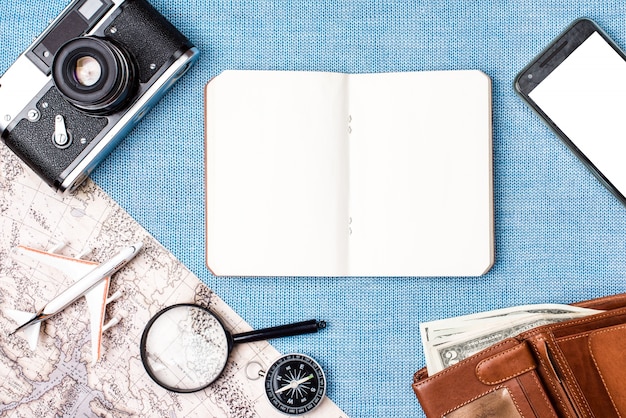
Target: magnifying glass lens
x,y
185,348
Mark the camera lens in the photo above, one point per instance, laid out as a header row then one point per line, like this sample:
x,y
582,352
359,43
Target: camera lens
x,y
87,71
94,74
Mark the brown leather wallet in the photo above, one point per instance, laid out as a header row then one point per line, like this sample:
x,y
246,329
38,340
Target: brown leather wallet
x,y
575,368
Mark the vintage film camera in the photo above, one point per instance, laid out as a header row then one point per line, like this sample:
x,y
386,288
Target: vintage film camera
x,y
99,67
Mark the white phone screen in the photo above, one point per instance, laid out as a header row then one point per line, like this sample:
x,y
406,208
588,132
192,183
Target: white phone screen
x,y
585,97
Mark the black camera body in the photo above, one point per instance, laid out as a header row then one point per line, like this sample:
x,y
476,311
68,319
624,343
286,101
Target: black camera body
x,y
71,97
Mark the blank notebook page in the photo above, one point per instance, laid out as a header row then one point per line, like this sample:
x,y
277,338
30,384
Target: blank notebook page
x,y
421,181
327,174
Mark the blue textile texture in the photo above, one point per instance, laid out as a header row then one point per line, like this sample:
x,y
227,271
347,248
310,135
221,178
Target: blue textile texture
x,y
560,235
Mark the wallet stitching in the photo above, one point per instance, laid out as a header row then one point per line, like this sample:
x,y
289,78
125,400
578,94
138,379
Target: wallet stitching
x,y
515,402
503,353
555,388
459,364
593,357
571,379
543,393
528,334
572,337
564,324
450,369
469,401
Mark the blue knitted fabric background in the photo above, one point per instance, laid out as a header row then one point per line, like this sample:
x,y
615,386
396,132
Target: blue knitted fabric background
x,y
560,236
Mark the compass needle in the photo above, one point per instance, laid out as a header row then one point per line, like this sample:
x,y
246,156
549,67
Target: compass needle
x,y
295,384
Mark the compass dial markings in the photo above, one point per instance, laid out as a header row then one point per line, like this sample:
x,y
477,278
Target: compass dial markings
x,y
295,384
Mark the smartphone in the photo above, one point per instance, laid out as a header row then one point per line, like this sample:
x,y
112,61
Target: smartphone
x,y
578,86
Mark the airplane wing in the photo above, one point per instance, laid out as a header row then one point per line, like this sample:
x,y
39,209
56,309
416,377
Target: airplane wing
x,y
96,303
73,268
31,332
93,286
96,297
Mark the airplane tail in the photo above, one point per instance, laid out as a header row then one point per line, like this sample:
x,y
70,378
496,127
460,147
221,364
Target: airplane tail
x,y
32,331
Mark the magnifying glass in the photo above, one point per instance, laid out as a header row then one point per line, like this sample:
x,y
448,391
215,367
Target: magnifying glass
x,y
185,347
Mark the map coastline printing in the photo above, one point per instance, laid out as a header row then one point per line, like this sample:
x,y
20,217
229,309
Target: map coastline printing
x,y
58,376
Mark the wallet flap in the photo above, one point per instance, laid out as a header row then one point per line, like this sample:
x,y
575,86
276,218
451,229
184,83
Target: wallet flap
x,y
607,347
508,386
505,365
574,367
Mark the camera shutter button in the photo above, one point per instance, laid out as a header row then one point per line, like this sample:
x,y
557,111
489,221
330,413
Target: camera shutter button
x,y
61,137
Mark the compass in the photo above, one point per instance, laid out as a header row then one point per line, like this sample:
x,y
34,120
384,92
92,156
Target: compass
x,y
295,384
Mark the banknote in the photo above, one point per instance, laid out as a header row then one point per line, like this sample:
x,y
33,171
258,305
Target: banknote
x,y
448,341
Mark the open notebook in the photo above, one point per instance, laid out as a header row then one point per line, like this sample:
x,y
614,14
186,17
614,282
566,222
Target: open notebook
x,y
329,174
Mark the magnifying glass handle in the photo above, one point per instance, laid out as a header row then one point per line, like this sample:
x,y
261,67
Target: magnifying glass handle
x,y
298,328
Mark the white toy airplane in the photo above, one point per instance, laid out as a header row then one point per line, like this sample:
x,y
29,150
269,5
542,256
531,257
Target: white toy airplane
x,y
91,280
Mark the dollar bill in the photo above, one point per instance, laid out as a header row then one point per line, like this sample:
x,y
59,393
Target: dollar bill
x,y
448,341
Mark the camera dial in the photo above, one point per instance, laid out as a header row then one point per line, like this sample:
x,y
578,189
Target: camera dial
x,y
94,74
